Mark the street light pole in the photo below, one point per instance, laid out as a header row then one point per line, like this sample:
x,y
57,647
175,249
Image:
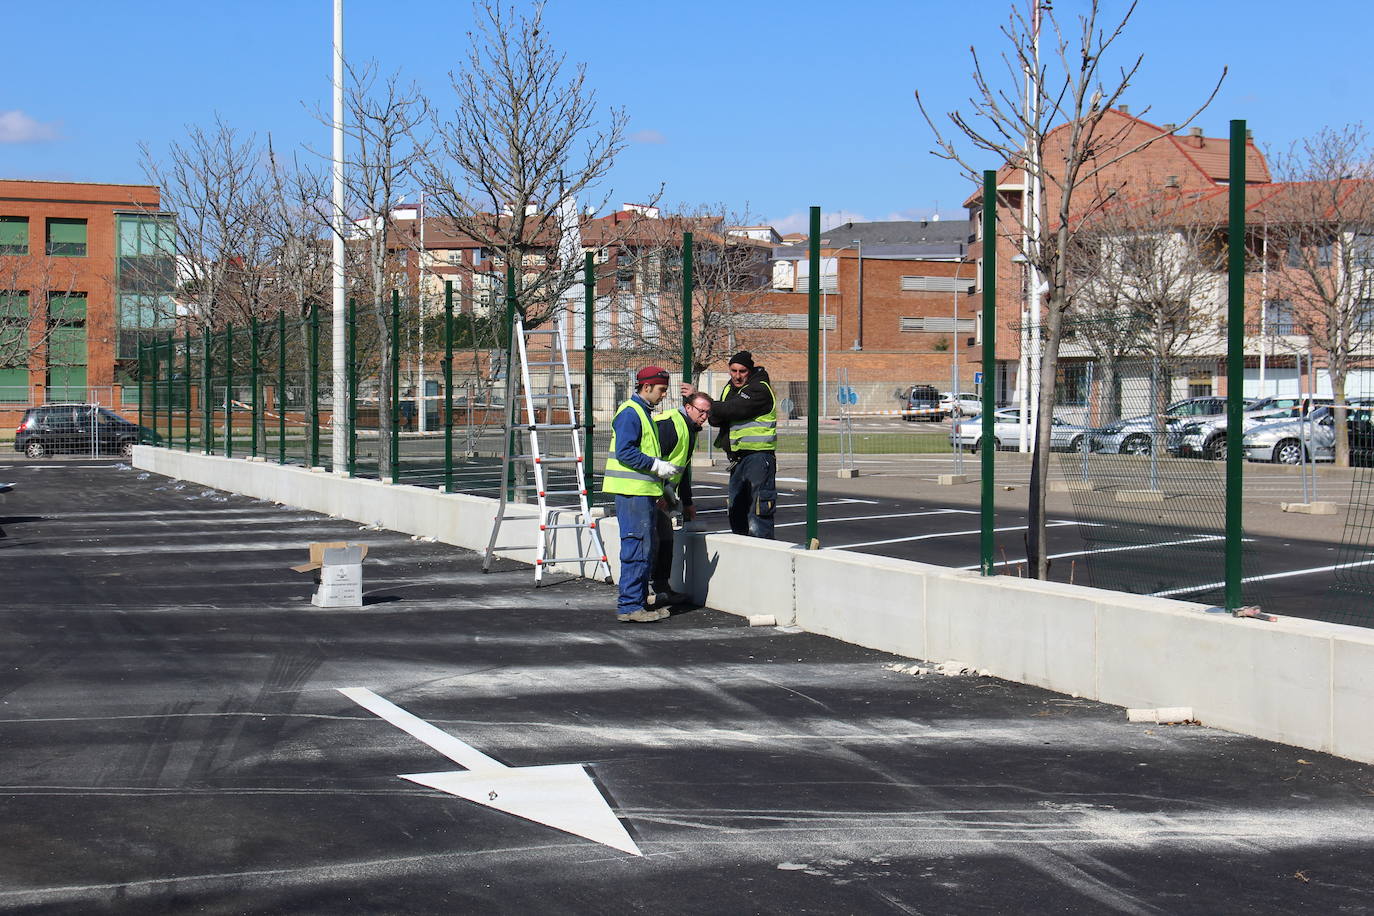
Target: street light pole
x,y
339,441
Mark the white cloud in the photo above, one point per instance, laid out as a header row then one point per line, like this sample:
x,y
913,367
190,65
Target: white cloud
x,y
647,136
801,221
17,127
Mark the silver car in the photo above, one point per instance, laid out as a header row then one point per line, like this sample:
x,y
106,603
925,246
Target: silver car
x,y
1205,437
1135,436
1282,441
1006,432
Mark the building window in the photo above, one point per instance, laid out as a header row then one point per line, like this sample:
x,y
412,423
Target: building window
x,y
1278,317
1071,388
14,235
66,238
1362,250
625,280
67,347
14,347
1364,315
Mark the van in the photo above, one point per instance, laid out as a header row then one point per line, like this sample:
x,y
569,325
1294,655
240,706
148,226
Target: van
x,y
923,403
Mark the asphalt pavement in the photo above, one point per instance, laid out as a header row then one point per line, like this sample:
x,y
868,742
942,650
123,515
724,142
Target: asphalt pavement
x,y
176,740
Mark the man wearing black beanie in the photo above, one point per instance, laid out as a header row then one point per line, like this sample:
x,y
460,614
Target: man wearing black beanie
x,y
747,415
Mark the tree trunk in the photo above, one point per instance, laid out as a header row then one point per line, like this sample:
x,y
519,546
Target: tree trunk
x,y
1341,414
1036,560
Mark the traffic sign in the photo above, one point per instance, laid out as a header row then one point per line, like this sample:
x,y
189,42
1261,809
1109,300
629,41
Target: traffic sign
x,y
977,378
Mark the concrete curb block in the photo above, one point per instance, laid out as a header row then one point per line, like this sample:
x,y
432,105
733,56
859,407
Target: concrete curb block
x,y
1300,682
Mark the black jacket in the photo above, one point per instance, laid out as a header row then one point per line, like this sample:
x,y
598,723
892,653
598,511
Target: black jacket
x,y
740,404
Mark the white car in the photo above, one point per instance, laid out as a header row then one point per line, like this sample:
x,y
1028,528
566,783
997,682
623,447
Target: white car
x,y
968,404
1006,432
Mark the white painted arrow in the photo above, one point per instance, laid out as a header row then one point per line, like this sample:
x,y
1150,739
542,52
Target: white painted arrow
x,y
561,796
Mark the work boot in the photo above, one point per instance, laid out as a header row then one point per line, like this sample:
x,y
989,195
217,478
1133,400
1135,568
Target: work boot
x,y
668,598
643,615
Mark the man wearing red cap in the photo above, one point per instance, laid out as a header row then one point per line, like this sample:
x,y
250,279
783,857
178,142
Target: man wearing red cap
x,y
635,471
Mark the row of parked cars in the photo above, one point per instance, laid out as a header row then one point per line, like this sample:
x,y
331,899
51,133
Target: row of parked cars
x,y
1284,430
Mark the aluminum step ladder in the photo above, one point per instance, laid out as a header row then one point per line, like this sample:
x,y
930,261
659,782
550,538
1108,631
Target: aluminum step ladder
x,y
553,468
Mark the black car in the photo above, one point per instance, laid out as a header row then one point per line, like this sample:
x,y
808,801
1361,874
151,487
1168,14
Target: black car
x,y
87,428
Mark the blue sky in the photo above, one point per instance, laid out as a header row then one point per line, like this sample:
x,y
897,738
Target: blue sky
x,y
766,107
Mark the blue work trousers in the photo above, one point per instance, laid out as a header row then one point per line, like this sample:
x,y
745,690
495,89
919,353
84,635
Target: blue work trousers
x,y
637,516
754,494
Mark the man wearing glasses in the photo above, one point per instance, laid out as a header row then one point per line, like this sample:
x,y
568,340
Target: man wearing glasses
x,y
635,472
677,436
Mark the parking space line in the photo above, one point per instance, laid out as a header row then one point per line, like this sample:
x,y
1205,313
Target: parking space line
x,y
942,534
826,502
1193,589
864,518
1080,553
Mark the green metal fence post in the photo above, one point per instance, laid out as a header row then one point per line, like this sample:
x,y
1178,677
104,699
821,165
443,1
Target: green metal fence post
x,y
229,391
314,385
588,351
186,379
142,382
152,385
352,388
986,498
281,387
448,386
1235,363
171,379
253,380
687,308
813,372
512,304
207,396
395,386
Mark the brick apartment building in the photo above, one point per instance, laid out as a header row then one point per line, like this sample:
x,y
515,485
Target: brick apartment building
x,y
84,268
1181,164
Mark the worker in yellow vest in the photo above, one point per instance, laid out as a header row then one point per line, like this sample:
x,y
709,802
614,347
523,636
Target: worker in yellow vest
x,y
635,471
747,415
677,436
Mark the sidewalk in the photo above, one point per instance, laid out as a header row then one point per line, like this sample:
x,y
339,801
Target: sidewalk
x,y
175,740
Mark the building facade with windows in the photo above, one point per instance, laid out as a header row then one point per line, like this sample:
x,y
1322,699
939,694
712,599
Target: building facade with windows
x,y
85,270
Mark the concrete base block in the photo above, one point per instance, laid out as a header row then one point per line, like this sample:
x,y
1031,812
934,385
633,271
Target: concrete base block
x,y
846,473
1070,486
950,480
1140,496
1313,508
701,461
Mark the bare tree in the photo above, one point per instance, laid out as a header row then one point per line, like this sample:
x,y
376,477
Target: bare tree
x,y
730,275
523,136
215,183
1321,220
1145,275
1048,121
385,120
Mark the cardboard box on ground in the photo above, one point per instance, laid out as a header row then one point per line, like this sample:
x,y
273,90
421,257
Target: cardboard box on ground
x,y
340,573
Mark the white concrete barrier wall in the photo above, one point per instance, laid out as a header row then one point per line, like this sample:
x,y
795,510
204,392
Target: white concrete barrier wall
x,y
1300,682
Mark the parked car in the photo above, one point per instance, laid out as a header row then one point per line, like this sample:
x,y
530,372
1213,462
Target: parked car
x,y
55,428
968,404
1134,436
1206,436
922,403
1006,430
1282,441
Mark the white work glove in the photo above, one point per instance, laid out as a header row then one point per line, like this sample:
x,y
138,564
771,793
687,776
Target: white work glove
x,y
664,470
